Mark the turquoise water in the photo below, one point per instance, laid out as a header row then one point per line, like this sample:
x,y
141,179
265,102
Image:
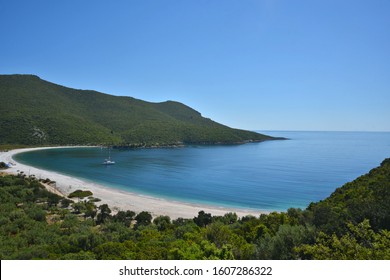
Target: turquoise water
x,y
272,175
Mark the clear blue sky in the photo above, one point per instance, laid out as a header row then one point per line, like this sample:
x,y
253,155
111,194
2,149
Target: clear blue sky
x,y
252,64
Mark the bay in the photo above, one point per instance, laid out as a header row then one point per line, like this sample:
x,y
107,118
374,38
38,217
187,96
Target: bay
x,y
271,175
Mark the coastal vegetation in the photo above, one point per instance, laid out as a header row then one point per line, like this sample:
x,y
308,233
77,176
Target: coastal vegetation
x,y
80,194
35,112
352,223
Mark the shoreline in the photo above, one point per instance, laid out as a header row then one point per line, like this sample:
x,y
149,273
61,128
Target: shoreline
x,y
115,198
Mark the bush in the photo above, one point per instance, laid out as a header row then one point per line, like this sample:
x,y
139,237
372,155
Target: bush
x,y
80,194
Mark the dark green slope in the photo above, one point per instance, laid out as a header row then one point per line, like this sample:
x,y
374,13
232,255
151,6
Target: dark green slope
x,y
34,111
367,197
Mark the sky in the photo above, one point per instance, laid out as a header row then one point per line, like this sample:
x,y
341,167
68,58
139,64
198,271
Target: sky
x,y
250,64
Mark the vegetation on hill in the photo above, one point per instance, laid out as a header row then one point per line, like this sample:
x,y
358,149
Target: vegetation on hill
x,y
37,112
351,224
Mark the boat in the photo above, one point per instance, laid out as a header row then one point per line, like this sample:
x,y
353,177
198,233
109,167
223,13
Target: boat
x,y
108,161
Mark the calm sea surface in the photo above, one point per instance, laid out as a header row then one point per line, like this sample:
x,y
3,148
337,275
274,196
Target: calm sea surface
x,y
272,175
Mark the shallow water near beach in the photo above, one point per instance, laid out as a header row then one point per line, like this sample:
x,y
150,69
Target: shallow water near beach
x,y
272,175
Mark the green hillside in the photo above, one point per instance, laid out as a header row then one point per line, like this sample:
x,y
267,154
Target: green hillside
x,y
37,112
367,197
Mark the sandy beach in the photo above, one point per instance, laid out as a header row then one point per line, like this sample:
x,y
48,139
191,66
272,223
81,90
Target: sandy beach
x,y
117,199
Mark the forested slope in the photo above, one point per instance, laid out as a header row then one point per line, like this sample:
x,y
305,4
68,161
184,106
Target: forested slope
x,y
37,112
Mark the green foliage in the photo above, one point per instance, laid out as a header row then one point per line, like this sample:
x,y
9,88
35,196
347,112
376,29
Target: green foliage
x,y
281,245
104,214
37,112
36,224
203,219
80,194
367,197
162,222
359,243
143,219
124,217
113,251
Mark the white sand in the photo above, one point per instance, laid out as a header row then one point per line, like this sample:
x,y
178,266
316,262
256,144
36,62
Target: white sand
x,y
118,199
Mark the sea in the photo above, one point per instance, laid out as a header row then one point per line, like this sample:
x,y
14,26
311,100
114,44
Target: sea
x,y
270,175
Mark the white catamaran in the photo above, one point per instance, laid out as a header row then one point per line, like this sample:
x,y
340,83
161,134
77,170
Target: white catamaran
x,y
108,160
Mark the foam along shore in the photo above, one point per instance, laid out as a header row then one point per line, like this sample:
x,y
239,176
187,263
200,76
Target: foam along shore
x,y
117,199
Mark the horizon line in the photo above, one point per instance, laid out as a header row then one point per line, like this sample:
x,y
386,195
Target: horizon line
x,y
302,130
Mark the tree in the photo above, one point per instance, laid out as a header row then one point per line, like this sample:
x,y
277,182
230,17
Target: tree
x,y
53,199
230,218
281,246
90,210
79,207
219,234
113,251
359,243
203,219
124,217
65,202
104,214
70,223
143,219
37,214
80,194
162,222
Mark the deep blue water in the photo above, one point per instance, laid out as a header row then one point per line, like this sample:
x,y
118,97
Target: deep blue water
x,y
272,175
